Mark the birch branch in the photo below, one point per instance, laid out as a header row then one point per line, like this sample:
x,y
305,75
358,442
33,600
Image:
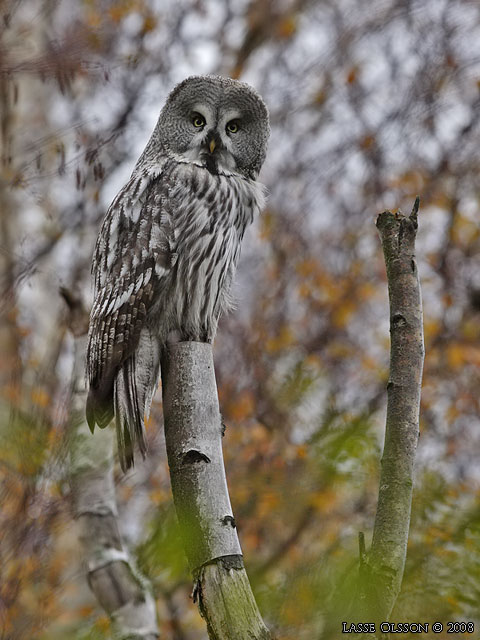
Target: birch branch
x,y
193,433
119,588
385,562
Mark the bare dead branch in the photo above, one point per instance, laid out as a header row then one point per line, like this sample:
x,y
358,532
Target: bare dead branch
x,y
386,558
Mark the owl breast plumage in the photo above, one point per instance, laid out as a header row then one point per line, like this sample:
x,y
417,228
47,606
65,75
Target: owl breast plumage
x,y
166,255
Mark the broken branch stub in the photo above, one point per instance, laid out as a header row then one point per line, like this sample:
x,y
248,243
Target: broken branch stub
x,y
386,558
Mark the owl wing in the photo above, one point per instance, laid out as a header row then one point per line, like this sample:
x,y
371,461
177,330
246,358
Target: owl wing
x,y
135,250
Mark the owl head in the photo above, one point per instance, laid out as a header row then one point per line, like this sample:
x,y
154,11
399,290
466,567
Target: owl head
x,y
217,122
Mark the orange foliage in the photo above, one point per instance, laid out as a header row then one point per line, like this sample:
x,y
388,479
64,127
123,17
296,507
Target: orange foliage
x,y
286,27
282,340
40,397
367,142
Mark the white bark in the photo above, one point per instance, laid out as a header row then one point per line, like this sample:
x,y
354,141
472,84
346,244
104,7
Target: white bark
x,y
193,433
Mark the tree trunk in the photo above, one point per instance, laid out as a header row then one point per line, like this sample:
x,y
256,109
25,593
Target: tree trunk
x,y
119,588
10,362
193,433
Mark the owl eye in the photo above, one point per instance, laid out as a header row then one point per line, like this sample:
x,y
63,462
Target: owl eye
x,y
198,120
232,126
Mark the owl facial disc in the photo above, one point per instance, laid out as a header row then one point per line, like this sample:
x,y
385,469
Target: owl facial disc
x,y
218,123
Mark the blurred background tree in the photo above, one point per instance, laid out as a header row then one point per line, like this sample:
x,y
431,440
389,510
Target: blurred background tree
x,y
370,104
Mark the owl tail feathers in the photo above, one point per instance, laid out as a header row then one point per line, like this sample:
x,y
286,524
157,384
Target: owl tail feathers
x,y
129,408
127,396
99,410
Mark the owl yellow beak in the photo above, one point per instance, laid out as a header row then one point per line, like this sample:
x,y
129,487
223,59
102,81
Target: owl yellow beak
x,y
212,145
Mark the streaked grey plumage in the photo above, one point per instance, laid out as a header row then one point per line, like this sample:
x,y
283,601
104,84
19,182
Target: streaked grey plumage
x,y
169,245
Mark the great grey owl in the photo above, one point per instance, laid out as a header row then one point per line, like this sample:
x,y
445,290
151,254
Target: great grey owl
x,y
169,245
